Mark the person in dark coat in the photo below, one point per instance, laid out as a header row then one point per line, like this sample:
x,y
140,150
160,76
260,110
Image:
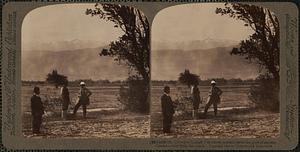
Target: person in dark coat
x,y
214,98
196,100
37,110
167,110
84,100
65,96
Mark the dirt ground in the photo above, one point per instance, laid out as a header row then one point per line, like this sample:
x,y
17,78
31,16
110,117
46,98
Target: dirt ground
x,y
97,124
236,117
249,124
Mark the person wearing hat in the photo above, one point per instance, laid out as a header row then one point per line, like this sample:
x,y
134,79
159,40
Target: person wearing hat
x,y
84,95
167,110
214,98
65,96
37,110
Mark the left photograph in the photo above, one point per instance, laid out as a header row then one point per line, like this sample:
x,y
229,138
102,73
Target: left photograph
x,y
85,72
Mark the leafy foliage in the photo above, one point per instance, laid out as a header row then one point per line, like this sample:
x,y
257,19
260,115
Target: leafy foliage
x,y
184,105
134,96
188,78
265,95
56,79
261,47
132,48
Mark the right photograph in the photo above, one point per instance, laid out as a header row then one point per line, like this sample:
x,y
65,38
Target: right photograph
x,y
215,72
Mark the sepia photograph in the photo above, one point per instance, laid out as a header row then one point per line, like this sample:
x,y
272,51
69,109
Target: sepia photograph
x,y
85,72
149,76
215,72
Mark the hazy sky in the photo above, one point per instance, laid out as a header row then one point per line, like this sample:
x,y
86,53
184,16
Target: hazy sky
x,y
68,22
183,27
66,25
65,22
196,22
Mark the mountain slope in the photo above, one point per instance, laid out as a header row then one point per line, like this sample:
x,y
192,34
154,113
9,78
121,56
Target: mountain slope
x,y
76,64
193,45
208,63
165,64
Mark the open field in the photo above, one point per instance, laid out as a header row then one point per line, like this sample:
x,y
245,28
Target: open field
x,y
236,116
105,115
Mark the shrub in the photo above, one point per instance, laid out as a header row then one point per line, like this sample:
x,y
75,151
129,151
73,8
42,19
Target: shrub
x,y
134,97
183,105
52,105
56,79
265,95
188,78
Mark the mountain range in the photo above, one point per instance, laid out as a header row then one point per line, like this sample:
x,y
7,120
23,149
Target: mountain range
x,y
74,44
207,43
207,58
75,64
207,63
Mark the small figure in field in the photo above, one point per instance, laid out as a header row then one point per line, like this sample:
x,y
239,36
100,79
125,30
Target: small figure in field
x,y
37,110
167,110
65,96
84,100
196,100
214,98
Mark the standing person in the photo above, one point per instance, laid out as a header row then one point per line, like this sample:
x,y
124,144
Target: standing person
x,y
196,100
214,98
37,110
167,110
84,100
65,96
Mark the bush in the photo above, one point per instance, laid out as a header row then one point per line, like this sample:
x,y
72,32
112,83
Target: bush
x,y
56,79
188,78
52,105
183,106
134,97
265,95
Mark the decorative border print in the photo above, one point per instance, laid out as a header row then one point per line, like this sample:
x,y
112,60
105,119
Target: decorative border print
x,y
13,137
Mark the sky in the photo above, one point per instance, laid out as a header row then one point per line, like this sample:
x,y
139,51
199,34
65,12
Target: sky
x,y
65,23
196,22
59,37
67,27
68,23
196,27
